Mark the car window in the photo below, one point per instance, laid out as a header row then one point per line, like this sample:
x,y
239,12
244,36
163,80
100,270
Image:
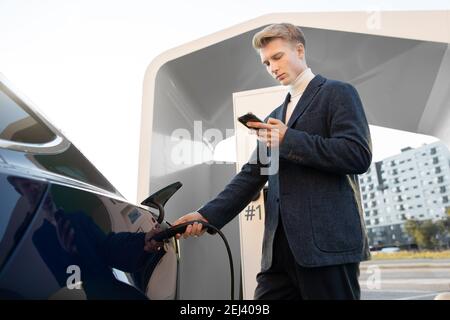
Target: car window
x,y
18,123
72,163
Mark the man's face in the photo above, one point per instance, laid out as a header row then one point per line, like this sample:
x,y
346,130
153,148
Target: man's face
x,y
283,60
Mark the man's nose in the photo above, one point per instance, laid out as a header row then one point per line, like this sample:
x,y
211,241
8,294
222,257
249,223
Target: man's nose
x,y
274,69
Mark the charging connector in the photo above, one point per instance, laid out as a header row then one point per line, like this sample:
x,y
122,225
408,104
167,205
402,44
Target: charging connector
x,y
181,228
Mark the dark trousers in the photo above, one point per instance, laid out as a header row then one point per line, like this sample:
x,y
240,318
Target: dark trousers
x,y
287,280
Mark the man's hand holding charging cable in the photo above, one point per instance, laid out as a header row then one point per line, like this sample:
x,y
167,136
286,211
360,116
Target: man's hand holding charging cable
x,y
195,229
272,134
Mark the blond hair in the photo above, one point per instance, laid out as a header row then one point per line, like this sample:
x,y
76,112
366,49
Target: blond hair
x,y
286,31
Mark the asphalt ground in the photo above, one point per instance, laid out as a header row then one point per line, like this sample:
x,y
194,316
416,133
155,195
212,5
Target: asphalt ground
x,y
416,279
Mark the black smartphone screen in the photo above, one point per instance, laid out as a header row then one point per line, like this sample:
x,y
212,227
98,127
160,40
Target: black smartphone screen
x,y
249,117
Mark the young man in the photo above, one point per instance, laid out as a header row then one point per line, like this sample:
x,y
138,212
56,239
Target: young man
x,y
314,235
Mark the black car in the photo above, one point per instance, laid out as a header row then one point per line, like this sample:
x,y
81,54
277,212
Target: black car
x,y
49,194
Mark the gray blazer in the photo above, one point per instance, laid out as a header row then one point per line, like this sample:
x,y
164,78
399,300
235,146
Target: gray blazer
x,y
316,188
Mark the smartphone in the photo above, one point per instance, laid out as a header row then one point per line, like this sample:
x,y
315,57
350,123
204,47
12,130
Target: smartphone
x,y
249,117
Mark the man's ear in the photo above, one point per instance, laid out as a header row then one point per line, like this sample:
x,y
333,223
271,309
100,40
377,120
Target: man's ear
x,y
300,48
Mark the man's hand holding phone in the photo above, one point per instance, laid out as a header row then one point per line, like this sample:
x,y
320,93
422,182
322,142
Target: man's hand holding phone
x,y
271,133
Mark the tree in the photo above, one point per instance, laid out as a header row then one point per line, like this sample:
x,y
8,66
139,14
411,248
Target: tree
x,y
428,234
444,235
411,227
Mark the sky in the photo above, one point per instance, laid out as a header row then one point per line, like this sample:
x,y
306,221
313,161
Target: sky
x,y
82,62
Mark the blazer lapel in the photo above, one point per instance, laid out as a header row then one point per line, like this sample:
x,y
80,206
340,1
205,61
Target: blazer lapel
x,y
282,115
305,99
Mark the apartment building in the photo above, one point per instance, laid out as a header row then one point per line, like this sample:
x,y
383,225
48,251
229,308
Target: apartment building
x,y
414,184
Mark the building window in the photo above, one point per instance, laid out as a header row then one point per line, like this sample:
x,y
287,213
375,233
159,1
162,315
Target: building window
x,y
442,189
435,160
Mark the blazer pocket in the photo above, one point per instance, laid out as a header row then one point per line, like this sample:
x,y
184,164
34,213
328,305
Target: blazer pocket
x,y
335,221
